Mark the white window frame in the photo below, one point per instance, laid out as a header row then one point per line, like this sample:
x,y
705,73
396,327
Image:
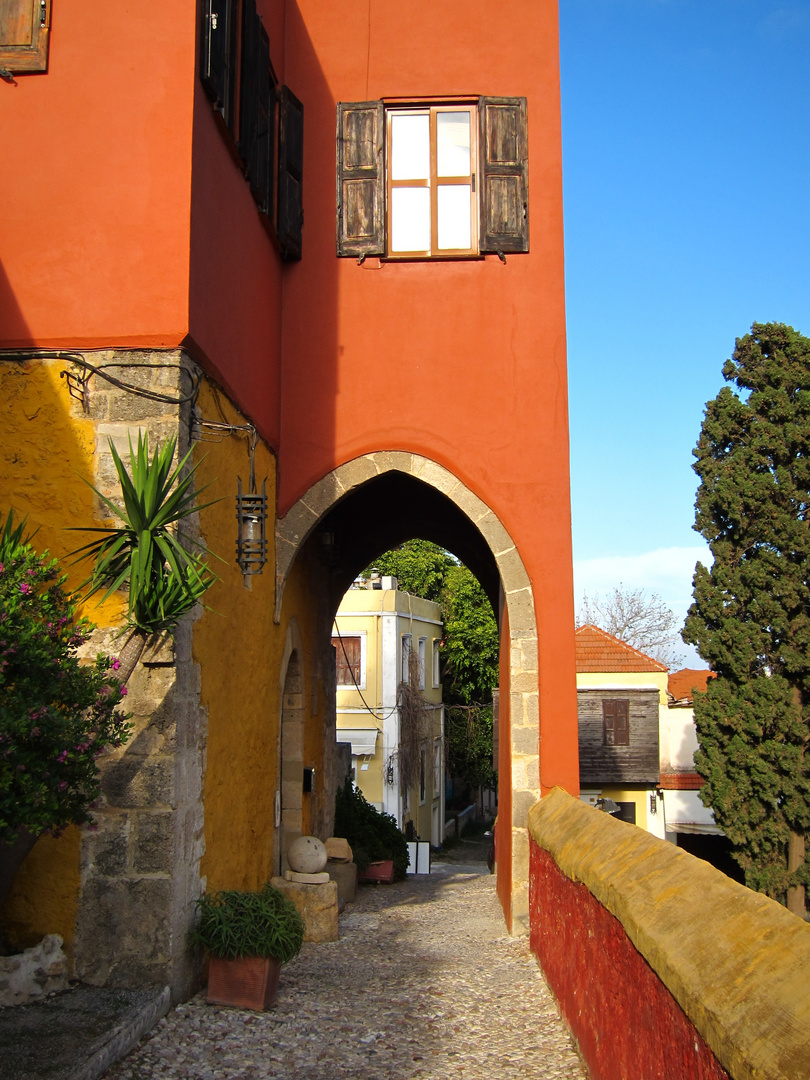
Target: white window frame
x,y
436,666
404,656
434,182
421,647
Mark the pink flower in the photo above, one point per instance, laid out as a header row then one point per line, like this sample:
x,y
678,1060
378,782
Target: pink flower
x,y
62,758
124,691
63,785
116,664
25,588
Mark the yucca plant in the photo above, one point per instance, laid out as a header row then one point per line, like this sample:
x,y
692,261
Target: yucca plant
x,y
165,579
236,924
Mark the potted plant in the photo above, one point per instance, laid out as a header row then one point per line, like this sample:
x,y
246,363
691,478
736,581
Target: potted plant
x,y
248,935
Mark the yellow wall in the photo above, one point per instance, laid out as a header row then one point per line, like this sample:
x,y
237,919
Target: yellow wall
x,y
46,455
240,652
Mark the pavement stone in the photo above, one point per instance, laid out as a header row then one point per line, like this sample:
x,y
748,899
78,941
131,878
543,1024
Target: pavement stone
x,y
423,984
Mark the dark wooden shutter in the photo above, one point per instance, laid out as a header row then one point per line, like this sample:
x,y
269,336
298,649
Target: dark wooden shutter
x,y
217,56
360,178
615,715
504,175
256,108
24,30
347,654
290,174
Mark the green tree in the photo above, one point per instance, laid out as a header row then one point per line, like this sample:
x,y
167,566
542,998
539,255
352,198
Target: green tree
x,y
751,613
469,653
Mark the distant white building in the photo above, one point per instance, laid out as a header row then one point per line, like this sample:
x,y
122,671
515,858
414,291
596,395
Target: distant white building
x,y
377,629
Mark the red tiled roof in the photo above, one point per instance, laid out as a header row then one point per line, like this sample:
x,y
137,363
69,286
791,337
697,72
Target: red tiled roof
x,y
681,781
680,684
598,651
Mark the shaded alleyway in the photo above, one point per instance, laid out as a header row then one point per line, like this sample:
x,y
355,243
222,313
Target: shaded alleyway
x,y
424,984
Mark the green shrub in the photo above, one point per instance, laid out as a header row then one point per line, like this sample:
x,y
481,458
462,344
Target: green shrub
x,y
57,715
372,835
262,923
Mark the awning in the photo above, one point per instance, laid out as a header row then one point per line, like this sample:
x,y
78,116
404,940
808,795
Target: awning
x,y
684,812
363,740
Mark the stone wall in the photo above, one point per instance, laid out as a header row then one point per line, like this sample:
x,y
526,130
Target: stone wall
x,y
661,964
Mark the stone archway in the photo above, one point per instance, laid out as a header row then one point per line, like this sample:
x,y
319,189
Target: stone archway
x,y
291,761
292,532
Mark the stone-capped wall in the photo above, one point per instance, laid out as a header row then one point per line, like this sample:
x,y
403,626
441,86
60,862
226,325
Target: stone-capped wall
x,y
661,964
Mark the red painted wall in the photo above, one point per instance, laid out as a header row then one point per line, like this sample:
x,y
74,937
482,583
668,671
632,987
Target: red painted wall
x,y
463,362
625,1020
94,215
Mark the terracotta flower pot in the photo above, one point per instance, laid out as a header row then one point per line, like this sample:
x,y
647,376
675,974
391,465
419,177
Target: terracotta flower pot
x,y
246,982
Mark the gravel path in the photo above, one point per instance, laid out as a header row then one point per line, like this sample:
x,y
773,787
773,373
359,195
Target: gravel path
x,y
424,984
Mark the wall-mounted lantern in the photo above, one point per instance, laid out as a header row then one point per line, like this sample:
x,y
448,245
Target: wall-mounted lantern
x,y
251,538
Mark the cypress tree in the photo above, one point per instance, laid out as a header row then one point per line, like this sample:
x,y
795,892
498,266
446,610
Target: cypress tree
x,y
750,618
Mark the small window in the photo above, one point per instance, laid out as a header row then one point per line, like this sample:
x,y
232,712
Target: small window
x,y
24,31
406,658
433,181
437,768
350,661
422,646
436,669
615,723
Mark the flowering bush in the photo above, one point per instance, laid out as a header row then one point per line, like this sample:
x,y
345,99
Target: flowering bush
x,y
56,715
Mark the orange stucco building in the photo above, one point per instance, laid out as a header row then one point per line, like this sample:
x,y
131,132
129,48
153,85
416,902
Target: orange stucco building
x,y
337,228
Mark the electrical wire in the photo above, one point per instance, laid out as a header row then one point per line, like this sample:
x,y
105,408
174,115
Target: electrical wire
x,y
102,371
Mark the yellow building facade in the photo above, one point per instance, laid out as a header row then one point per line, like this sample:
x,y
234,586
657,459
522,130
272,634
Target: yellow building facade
x,y
386,653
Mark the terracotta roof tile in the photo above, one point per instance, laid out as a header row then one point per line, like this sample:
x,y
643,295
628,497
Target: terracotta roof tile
x,y
680,684
598,651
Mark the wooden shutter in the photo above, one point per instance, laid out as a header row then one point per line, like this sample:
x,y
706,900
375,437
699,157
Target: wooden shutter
x,y
217,44
256,108
290,174
24,30
504,172
347,653
360,178
615,716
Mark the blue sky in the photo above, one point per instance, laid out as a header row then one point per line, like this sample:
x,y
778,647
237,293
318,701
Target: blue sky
x,y
686,174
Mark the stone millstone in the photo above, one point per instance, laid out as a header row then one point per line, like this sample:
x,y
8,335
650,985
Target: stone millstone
x,y
316,904
307,855
307,879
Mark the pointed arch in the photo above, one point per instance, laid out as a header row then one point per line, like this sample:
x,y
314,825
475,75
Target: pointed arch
x,y
292,532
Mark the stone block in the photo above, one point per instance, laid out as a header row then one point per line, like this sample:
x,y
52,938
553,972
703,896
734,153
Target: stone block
x,y
344,874
106,848
317,905
33,973
134,781
338,848
320,878
123,932
154,843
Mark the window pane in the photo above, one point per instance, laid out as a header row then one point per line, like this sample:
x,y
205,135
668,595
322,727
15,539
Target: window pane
x,y
410,147
453,144
410,219
454,216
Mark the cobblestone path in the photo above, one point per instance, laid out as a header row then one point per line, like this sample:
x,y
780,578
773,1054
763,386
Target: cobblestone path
x,y
424,984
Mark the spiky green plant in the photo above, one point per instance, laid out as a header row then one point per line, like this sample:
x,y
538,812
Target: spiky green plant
x,y
165,579
263,923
